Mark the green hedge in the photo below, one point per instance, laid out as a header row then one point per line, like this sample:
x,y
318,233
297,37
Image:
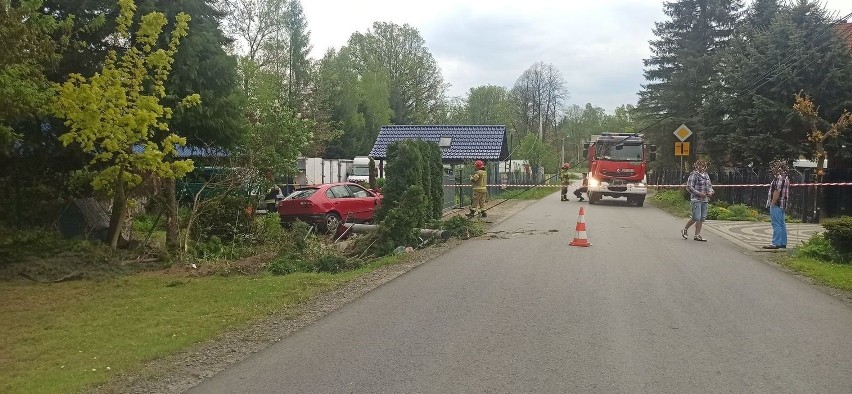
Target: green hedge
x,y
838,232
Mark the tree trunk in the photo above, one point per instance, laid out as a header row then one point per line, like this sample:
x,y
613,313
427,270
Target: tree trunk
x,y
119,209
172,227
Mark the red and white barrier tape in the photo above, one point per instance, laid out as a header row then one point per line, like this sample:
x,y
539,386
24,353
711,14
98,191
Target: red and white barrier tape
x,y
683,185
767,185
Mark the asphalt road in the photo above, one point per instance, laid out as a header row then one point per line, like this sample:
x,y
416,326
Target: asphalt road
x,y
641,310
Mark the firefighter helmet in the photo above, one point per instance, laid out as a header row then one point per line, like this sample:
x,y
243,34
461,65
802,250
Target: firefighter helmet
x,y
479,164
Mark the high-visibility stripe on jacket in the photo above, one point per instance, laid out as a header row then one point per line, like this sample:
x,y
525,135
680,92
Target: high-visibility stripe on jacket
x,y
479,179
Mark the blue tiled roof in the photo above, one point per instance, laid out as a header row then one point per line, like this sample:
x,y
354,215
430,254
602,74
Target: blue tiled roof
x,y
184,152
468,142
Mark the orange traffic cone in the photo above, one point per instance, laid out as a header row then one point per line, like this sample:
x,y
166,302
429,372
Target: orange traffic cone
x,y
580,237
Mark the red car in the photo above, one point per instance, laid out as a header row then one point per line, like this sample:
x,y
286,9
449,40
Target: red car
x,y
328,205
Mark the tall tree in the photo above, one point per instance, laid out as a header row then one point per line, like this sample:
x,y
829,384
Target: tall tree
x,y
202,66
260,32
762,73
27,51
118,109
761,13
415,85
299,45
488,104
685,57
538,96
359,103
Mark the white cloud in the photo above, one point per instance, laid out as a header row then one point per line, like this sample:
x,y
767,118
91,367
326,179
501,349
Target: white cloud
x,y
597,45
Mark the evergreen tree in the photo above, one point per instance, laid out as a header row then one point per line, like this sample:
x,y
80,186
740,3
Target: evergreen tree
x,y
298,72
684,62
761,13
751,117
202,66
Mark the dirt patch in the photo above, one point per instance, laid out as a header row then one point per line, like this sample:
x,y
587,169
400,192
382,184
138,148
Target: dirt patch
x,y
179,372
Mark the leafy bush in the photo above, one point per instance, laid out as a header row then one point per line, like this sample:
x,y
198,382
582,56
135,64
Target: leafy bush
x,y
461,227
673,197
225,217
335,263
715,212
740,212
838,232
818,247
145,223
287,265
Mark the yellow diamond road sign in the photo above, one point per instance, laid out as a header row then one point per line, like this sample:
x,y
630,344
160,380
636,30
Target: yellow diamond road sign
x,y
682,132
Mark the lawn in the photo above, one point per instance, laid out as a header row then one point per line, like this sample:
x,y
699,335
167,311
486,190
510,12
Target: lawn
x,y
838,276
64,337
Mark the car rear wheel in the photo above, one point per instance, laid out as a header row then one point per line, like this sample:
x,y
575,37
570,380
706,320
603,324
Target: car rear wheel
x,y
330,222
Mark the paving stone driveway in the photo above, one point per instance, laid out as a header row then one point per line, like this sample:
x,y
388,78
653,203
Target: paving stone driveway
x,y
754,235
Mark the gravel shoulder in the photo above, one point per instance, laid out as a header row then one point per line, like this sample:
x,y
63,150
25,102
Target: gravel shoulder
x,y
181,371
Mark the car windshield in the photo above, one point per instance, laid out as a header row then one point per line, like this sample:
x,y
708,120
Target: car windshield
x,y
301,194
361,171
620,152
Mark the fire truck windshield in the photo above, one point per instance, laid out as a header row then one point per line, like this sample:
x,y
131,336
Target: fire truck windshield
x,y
620,152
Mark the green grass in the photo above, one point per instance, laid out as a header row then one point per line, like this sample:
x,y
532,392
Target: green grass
x,y
838,276
65,337
671,201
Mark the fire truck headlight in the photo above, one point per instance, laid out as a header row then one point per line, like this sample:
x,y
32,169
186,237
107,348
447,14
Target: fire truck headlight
x,y
594,182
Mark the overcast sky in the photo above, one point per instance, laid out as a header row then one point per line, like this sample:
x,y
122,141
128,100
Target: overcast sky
x,y
598,45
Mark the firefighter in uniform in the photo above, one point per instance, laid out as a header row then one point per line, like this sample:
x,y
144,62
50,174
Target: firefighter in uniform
x,y
479,180
565,177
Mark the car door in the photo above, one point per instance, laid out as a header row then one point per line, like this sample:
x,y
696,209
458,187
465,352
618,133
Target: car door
x,y
365,202
343,202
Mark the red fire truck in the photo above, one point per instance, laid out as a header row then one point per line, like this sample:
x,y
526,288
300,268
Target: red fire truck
x,y
617,164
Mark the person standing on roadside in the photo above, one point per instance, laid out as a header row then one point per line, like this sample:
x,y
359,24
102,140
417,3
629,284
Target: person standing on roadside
x,y
565,178
776,201
479,180
700,189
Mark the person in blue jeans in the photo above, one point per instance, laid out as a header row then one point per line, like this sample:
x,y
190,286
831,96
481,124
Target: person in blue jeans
x,y
700,189
776,201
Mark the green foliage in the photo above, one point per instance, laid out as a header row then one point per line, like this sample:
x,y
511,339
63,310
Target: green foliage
x,y
461,227
398,228
489,104
739,212
149,222
818,247
537,152
672,201
404,168
202,66
749,108
288,265
415,86
114,111
225,217
838,232
359,102
27,50
686,54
